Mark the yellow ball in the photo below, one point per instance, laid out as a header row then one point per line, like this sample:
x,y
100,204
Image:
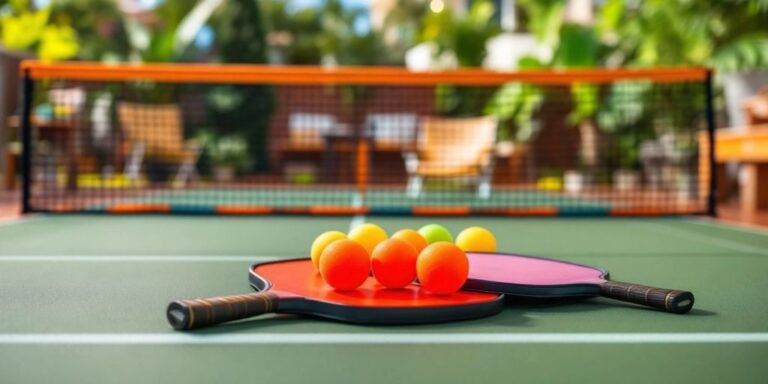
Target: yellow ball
x,y
476,239
368,235
321,242
550,183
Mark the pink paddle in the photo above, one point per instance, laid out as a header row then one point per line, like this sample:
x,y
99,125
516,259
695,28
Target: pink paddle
x,y
529,276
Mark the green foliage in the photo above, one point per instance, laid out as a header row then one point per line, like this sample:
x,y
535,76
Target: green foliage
x,y
24,28
727,34
231,150
58,42
749,52
544,19
325,34
577,47
99,25
471,33
295,34
157,41
242,109
625,105
22,31
585,102
609,18
240,33
465,36
628,146
516,102
401,27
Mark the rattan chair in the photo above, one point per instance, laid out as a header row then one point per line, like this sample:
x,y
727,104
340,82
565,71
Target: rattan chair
x,y
452,148
156,132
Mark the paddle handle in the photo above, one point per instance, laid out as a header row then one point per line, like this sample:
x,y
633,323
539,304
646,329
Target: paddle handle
x,y
668,300
198,313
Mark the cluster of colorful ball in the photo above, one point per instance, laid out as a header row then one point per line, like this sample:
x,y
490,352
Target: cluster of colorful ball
x,y
430,255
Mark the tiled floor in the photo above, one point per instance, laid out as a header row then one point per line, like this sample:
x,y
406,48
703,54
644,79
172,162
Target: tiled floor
x,y
9,204
732,213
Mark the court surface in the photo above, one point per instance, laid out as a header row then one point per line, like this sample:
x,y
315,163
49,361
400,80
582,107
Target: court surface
x,y
83,297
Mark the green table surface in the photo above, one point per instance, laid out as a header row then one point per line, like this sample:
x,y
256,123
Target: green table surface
x,y
83,297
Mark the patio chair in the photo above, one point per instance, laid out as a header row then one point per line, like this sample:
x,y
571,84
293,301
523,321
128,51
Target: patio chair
x,y
452,148
155,132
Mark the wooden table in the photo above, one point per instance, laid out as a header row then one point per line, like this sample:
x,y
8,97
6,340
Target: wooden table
x,y
749,147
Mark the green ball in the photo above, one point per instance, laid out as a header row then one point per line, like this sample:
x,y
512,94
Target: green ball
x,y
435,232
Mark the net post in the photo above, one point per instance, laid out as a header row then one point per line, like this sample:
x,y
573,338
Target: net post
x,y
710,113
362,155
362,166
27,95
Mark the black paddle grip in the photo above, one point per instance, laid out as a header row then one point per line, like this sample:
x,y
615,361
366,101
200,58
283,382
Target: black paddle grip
x,y
198,313
668,300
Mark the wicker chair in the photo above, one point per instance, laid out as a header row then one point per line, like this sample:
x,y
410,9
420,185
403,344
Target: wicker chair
x,y
155,131
452,148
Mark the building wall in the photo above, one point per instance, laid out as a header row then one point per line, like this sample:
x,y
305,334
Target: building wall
x,y
9,99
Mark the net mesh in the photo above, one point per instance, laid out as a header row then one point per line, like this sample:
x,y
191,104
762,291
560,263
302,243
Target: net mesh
x,y
509,146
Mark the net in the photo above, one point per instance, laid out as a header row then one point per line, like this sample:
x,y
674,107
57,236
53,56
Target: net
x,y
235,139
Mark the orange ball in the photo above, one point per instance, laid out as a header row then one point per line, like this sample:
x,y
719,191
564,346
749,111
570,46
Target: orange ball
x,y
442,268
344,264
321,242
394,263
415,239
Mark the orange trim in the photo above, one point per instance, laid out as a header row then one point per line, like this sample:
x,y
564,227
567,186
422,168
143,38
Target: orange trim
x,y
748,146
292,211
139,208
705,168
362,166
441,211
336,210
243,210
266,74
517,211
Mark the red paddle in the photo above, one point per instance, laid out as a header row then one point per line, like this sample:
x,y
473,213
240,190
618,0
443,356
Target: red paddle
x,y
295,287
518,275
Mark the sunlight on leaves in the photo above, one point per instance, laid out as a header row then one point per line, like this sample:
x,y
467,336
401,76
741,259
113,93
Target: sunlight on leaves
x,y
58,43
23,31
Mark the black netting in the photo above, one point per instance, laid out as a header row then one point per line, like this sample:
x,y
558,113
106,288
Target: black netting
x,y
623,146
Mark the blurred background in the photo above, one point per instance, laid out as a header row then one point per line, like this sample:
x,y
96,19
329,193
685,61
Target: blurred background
x,y
730,36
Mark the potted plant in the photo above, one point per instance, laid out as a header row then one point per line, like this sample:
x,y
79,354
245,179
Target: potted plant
x,y
573,45
627,177
228,155
624,115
